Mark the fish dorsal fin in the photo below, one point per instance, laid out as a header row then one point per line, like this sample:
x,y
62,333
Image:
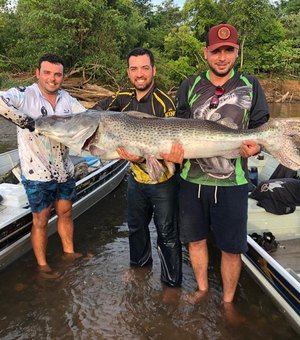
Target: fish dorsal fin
x,y
138,114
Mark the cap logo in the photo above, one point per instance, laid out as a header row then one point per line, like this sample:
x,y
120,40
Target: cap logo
x,y
224,33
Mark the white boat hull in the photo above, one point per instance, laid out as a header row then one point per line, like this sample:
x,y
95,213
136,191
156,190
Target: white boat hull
x,y
90,190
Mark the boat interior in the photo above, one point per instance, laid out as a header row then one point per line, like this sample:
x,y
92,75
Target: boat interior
x,y
284,227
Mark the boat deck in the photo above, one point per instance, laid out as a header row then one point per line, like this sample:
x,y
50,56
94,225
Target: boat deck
x,y
9,214
288,254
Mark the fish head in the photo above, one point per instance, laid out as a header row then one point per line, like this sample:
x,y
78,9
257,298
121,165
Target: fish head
x,y
71,130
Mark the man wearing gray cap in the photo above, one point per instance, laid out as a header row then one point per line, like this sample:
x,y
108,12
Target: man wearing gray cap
x,y
214,192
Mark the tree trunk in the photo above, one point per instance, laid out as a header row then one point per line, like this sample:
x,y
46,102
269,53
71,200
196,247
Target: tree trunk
x,y
242,50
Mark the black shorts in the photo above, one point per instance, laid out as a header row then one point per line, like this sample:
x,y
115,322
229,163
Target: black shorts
x,y
222,210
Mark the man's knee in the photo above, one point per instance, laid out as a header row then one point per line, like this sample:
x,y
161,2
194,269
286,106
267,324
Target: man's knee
x,y
196,245
40,220
231,256
63,208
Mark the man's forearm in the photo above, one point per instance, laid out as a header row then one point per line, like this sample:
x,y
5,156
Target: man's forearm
x,y
15,116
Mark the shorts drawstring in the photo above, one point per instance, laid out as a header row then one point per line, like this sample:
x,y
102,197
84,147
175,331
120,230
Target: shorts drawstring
x,y
216,191
215,195
199,191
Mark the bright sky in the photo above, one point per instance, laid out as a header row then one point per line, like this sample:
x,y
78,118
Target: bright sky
x,y
176,2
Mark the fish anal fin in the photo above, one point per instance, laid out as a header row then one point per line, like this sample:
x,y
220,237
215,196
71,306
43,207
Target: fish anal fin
x,y
232,154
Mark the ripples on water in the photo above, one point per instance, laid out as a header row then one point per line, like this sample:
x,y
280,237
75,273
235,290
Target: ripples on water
x,y
102,298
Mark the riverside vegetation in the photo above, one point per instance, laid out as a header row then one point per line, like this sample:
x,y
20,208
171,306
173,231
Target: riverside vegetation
x,y
94,37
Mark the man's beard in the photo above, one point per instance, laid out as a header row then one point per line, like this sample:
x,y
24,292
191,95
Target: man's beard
x,y
145,87
220,74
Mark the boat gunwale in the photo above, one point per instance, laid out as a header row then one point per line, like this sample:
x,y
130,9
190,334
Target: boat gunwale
x,y
275,264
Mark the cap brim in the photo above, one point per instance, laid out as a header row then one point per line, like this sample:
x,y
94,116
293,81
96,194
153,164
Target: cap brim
x,y
215,46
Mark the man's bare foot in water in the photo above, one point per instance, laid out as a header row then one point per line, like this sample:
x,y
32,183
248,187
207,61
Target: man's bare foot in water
x,y
71,256
74,256
46,272
232,314
171,295
195,297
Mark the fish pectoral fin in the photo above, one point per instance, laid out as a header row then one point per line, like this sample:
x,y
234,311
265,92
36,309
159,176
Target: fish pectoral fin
x,y
154,168
137,114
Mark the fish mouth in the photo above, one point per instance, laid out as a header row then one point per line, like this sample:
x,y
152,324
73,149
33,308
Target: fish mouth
x,y
89,140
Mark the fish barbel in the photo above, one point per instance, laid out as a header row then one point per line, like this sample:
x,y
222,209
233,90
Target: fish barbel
x,y
103,132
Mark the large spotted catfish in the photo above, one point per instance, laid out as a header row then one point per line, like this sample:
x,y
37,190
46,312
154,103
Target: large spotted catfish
x,y
102,132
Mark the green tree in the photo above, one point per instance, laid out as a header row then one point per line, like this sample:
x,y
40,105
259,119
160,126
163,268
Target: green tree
x,y
161,22
199,15
53,26
94,36
249,17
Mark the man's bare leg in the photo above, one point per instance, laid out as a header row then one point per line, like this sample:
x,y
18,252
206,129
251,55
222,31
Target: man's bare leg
x,y
199,259
65,227
39,240
39,236
231,265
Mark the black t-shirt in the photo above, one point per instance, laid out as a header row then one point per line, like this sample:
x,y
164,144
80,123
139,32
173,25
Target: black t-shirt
x,y
243,105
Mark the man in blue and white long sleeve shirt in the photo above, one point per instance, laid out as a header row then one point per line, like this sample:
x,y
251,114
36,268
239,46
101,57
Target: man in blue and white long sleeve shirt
x,y
47,171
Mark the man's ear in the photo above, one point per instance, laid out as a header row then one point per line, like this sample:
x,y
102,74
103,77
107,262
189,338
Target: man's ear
x,y
205,51
154,71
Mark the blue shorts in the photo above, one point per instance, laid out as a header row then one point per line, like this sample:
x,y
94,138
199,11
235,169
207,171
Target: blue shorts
x,y
222,210
42,194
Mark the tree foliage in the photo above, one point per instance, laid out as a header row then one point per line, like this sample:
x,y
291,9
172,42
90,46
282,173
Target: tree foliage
x,y
94,36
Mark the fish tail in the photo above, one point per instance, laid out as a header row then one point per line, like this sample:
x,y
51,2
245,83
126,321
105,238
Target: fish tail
x,y
286,148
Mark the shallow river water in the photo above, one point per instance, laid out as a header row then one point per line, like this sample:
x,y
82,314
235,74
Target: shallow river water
x,y
102,298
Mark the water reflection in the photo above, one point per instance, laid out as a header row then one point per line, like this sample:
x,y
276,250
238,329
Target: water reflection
x,y
102,298
284,110
8,135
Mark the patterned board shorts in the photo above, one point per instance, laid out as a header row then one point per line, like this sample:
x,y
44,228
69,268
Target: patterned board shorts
x,y
42,194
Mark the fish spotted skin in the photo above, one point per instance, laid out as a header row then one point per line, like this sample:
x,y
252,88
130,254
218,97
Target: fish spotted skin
x,y
102,132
